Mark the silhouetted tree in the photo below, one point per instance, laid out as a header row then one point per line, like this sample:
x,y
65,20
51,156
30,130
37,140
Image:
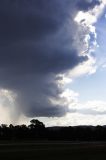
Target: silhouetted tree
x,y
36,122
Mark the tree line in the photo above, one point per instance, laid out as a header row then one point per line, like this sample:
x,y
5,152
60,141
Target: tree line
x,y
37,131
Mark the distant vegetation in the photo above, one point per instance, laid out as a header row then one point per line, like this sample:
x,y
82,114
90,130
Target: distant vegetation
x,y
37,131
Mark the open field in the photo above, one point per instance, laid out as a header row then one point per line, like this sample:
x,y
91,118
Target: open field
x,y
52,151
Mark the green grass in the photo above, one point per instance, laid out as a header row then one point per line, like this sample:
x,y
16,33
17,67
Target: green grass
x,y
52,151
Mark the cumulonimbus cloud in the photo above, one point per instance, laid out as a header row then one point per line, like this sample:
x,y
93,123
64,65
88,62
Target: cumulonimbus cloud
x,y
39,40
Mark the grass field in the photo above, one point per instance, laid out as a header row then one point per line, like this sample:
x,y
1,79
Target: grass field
x,y
52,151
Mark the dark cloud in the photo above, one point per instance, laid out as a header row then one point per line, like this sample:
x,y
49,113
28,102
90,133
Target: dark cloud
x,y
27,20
86,5
37,42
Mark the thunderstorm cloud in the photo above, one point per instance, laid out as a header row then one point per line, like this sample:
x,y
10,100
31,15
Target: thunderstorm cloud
x,y
39,41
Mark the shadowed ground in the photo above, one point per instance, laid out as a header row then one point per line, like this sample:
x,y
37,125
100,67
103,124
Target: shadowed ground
x,y
52,151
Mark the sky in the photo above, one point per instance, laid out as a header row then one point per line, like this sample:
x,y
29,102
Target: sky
x,y
53,62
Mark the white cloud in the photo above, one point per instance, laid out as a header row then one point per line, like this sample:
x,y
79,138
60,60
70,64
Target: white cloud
x,y
88,67
95,107
86,21
71,98
74,119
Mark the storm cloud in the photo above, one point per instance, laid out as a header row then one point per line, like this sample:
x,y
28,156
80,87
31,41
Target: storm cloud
x,y
39,40
87,4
